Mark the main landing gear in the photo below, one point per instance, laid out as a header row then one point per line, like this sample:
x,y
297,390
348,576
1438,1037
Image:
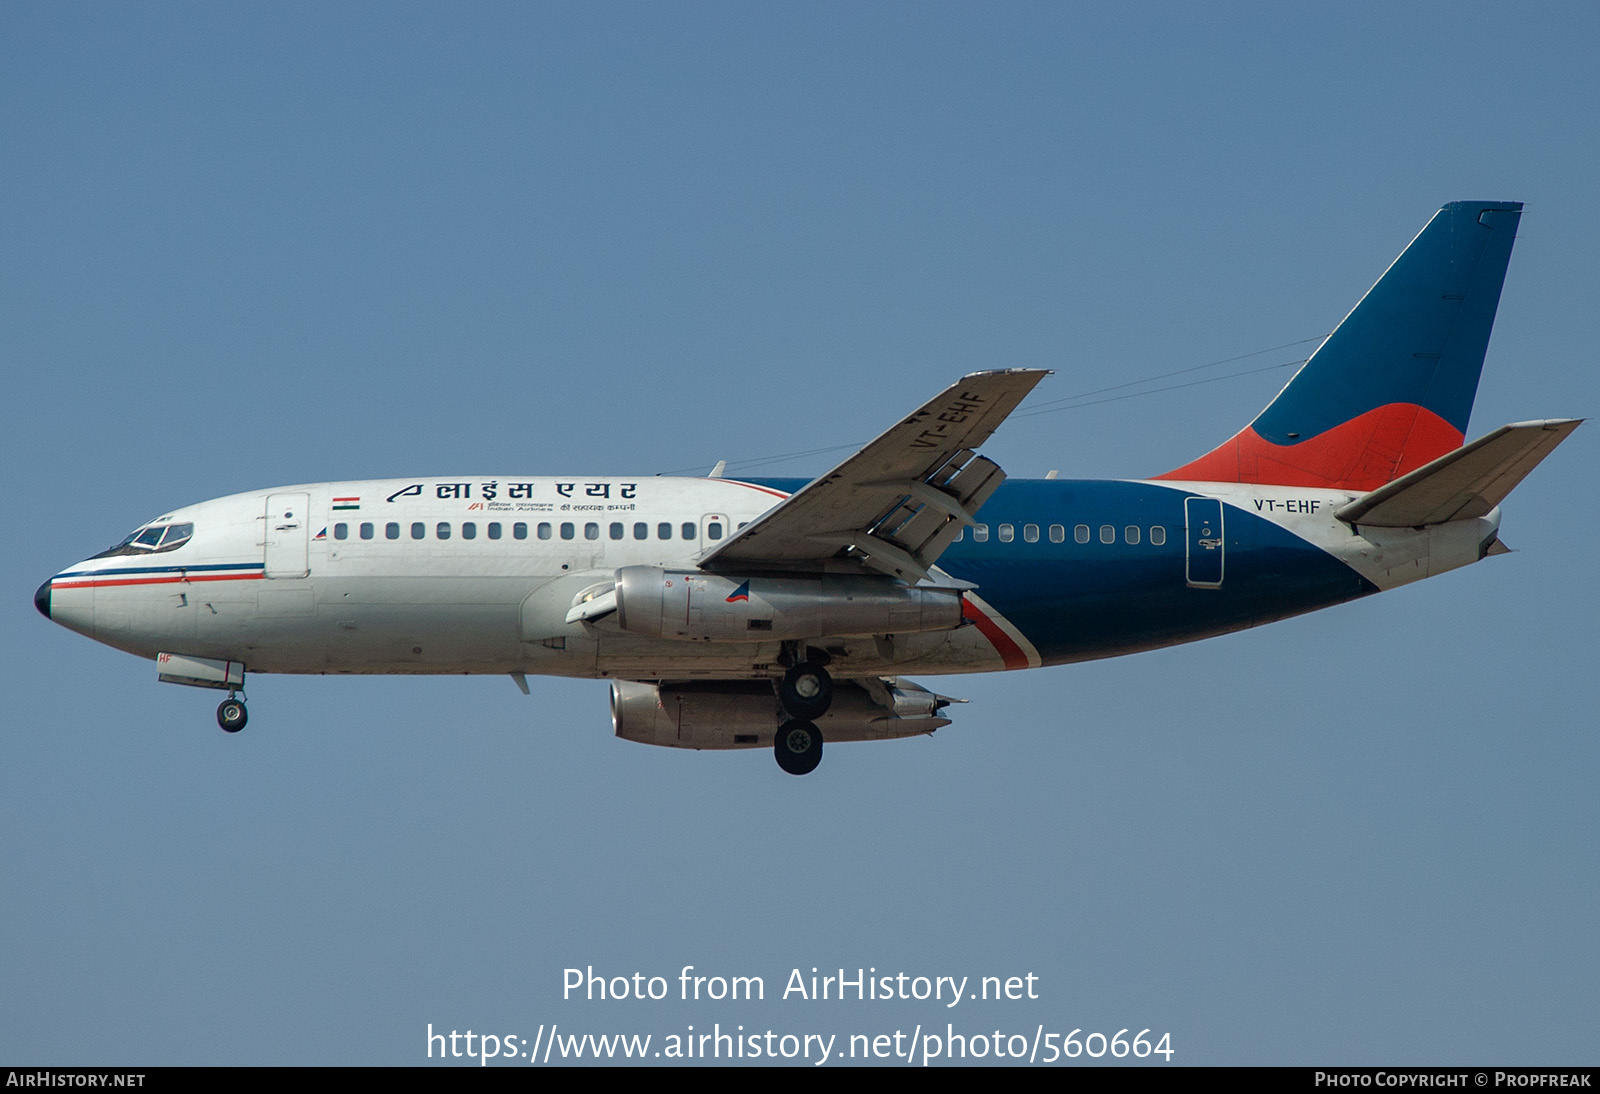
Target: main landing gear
x,y
805,693
231,715
798,746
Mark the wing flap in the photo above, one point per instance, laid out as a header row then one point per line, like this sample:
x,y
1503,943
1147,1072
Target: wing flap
x,y
1462,484
895,505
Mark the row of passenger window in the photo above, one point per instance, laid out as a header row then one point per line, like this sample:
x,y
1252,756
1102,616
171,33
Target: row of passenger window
x,y
544,530
1131,533
689,530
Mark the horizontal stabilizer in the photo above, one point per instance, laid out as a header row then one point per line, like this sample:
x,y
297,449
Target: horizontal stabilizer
x,y
1462,484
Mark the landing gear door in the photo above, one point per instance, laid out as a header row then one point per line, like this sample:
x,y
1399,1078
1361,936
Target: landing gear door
x,y
287,535
1203,518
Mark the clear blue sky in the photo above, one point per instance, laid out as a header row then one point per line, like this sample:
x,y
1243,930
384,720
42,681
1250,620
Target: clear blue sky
x,y
249,245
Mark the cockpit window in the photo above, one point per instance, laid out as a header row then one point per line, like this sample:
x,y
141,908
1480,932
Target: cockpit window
x,y
177,535
154,539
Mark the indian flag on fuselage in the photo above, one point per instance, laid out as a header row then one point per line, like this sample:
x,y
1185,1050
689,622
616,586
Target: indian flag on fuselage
x,y
346,503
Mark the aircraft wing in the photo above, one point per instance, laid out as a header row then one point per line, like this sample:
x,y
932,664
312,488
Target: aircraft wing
x,y
895,505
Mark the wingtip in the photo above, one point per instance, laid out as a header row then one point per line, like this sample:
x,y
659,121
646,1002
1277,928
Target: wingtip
x,y
1039,372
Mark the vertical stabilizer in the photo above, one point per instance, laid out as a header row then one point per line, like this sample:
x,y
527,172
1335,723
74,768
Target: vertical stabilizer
x,y
1392,388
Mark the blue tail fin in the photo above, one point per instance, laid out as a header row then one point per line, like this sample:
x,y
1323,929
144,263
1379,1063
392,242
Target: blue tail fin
x,y
1392,387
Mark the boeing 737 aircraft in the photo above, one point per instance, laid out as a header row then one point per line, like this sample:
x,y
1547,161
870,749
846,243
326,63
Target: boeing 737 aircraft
x,y
750,613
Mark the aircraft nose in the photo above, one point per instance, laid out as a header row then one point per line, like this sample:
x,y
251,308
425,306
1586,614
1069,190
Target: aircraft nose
x,y
41,599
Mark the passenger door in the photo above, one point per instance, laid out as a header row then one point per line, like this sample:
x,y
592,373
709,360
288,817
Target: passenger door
x,y
287,535
1205,546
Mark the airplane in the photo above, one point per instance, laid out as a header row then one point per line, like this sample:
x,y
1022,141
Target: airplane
x,y
744,613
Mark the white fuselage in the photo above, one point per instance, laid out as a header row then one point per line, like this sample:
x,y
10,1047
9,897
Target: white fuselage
x,y
479,575
433,576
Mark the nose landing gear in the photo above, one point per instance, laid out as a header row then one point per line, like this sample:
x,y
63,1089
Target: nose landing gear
x,y
231,715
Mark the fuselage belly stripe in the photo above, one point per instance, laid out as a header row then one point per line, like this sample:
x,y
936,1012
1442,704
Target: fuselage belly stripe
x,y
1009,651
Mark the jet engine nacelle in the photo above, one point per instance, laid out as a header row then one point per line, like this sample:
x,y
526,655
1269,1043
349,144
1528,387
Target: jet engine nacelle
x,y
746,714
692,604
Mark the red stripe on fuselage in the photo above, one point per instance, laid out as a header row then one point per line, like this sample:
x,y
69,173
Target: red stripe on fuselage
x,y
753,486
1361,454
169,579
1009,651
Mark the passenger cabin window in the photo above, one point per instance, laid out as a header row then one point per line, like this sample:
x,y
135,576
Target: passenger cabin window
x,y
980,533
1131,533
641,530
714,529
617,530
663,530
469,530
442,529
494,529
1007,533
1158,535
418,530
391,530
1108,534
367,529
1058,533
546,529
1080,533
688,529
519,530
591,530
1030,533
568,529
341,531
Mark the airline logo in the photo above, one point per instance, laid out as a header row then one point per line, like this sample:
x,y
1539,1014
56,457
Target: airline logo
x,y
346,503
741,593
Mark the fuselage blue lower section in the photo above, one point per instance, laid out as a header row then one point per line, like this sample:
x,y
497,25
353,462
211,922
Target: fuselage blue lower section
x,y
1095,568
